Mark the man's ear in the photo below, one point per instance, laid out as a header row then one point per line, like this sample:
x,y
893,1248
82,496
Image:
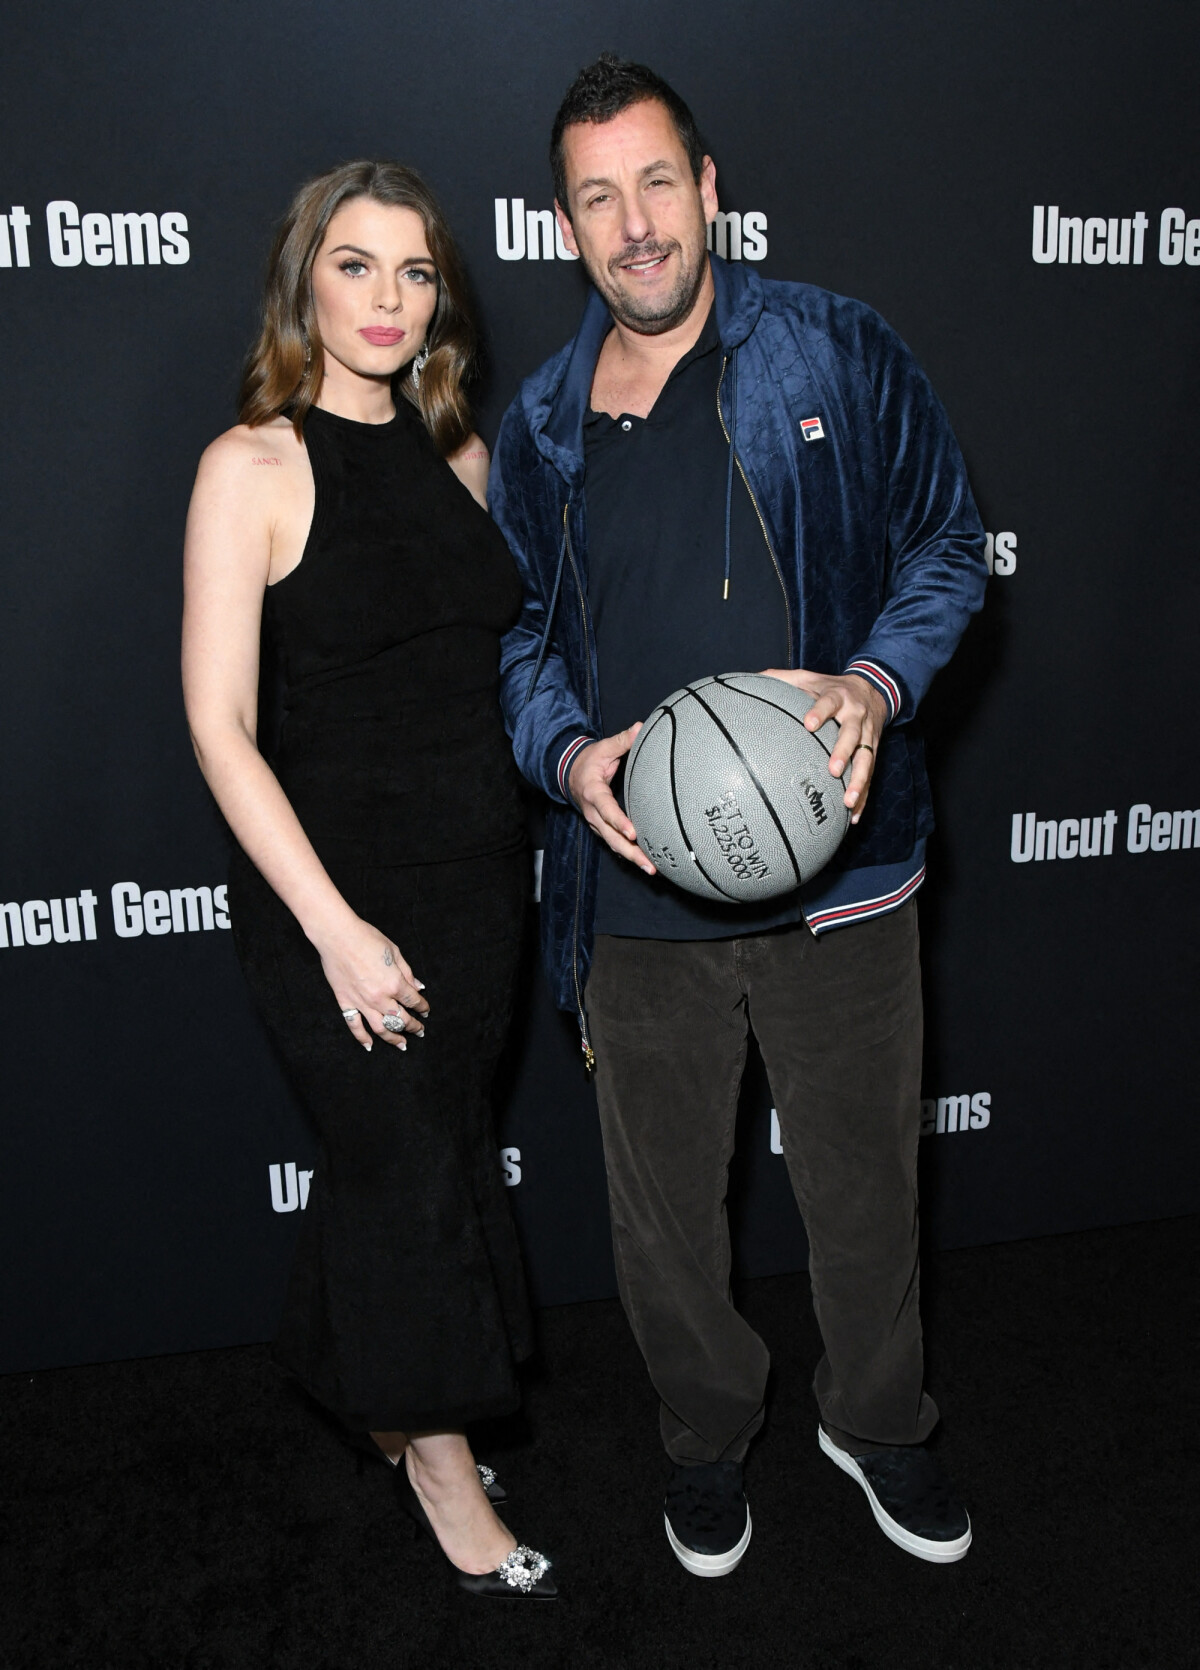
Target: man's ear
x,y
708,189
565,227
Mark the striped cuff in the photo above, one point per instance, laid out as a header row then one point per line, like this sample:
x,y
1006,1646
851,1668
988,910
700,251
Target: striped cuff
x,y
882,680
566,760
860,909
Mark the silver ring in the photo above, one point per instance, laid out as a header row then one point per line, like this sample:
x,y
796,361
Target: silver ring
x,y
393,1023
349,1014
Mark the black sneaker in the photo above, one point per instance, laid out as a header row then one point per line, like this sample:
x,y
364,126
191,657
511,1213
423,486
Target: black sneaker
x,y
911,1499
707,1517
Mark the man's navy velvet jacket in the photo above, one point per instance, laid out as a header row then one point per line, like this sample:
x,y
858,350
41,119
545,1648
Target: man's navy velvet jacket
x,y
872,526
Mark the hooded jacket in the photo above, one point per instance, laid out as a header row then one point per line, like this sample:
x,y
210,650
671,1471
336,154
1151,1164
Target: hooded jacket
x,y
870,523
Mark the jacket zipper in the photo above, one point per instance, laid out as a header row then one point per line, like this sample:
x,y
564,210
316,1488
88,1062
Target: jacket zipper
x,y
582,607
589,1055
787,613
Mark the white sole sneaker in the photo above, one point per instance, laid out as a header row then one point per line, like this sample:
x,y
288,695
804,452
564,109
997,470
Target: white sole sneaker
x,y
940,1553
709,1565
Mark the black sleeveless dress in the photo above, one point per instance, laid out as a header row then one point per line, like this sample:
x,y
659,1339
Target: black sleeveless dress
x,y
406,1306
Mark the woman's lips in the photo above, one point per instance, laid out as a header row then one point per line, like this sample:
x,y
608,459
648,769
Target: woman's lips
x,y
383,336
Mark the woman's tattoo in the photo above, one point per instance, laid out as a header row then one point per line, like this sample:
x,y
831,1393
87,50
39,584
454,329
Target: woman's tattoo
x,y
388,959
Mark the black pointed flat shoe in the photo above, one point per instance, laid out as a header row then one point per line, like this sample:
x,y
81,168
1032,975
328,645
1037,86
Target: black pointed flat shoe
x,y
523,1572
368,1450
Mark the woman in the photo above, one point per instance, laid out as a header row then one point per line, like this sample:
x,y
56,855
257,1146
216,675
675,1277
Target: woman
x,y
381,834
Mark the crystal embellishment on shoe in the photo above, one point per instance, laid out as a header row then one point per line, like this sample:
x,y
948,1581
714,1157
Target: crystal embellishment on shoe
x,y
523,1568
487,1475
523,1572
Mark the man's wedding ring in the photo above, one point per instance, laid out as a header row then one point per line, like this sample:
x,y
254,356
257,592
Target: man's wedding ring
x,y
349,1014
393,1023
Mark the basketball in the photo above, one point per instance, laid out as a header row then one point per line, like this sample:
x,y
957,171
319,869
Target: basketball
x,y
731,797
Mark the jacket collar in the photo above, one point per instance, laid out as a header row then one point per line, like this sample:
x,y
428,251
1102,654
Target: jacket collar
x,y
556,414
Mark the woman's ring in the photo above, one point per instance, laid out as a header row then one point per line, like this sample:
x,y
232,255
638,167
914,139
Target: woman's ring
x,y
393,1023
349,1014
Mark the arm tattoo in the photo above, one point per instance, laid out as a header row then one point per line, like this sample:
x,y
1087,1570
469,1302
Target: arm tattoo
x,y
278,461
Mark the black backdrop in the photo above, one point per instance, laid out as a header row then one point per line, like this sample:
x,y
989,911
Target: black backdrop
x,y
966,168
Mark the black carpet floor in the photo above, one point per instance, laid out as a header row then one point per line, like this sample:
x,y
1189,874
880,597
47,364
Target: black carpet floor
x,y
190,1513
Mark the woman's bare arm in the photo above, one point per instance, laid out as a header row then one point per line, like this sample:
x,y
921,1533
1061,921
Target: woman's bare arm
x,y
242,510
470,465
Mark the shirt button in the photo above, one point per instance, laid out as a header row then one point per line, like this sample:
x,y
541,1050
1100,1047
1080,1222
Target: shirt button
x,y
627,426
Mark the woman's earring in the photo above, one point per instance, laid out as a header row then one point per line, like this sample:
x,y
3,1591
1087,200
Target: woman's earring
x,y
419,364
307,352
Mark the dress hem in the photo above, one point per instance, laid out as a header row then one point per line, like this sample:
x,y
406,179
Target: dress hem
x,y
427,1420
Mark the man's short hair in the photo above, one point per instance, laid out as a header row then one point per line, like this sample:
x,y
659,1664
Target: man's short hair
x,y
601,91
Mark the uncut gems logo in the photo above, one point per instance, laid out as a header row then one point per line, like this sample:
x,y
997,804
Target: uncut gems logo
x,y
71,918
1000,553
528,234
1044,840
739,237
289,1186
533,234
940,1116
290,1183
1112,240
115,238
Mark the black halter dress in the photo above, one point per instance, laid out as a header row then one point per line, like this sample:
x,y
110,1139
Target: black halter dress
x,y
406,1305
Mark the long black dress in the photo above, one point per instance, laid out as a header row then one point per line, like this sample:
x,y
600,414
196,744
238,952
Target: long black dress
x,y
406,1305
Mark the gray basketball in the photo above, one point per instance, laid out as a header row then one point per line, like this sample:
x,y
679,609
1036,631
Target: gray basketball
x,y
731,797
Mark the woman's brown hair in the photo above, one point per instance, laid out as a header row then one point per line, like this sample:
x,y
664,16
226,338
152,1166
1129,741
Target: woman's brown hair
x,y
286,365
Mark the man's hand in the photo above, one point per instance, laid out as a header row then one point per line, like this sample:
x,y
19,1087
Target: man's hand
x,y
860,712
592,770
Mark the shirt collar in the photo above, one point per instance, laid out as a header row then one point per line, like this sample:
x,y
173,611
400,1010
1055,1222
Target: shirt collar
x,y
706,343
554,408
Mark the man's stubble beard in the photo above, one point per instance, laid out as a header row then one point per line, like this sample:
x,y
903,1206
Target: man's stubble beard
x,y
665,313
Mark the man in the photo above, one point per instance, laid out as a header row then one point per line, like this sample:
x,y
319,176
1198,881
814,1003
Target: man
x,y
723,474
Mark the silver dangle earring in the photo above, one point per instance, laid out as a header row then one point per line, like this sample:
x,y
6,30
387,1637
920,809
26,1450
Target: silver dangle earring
x,y
419,364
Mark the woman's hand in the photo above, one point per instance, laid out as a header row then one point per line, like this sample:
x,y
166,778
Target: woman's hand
x,y
370,980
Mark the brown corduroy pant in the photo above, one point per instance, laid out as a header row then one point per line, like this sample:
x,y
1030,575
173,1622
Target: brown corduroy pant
x,y
838,1022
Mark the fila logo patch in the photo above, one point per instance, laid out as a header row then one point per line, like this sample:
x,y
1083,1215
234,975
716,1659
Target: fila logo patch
x,y
811,429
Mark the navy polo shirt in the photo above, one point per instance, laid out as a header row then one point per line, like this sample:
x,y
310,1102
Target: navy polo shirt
x,y
655,502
